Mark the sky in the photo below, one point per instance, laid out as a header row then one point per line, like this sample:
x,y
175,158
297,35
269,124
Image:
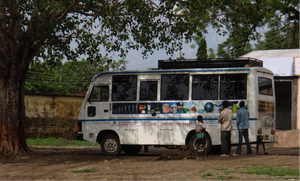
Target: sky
x,y
136,61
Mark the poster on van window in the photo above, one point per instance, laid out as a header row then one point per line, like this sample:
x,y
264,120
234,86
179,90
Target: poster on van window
x,y
197,107
210,107
266,114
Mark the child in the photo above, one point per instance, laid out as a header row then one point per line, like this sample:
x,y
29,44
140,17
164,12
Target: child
x,y
259,142
200,129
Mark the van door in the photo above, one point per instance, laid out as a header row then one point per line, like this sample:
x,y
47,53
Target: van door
x,y
266,106
97,106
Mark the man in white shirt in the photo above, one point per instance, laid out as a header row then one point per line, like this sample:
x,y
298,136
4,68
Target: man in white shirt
x,y
225,119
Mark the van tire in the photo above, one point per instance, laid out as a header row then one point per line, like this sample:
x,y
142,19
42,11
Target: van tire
x,y
110,145
131,149
192,144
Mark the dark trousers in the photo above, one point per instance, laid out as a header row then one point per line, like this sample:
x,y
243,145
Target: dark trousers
x,y
226,142
243,132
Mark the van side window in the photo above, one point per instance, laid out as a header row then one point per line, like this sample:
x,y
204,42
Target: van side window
x,y
99,93
124,87
205,87
265,86
148,90
233,86
175,87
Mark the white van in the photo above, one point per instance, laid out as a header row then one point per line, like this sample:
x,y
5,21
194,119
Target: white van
x,y
125,110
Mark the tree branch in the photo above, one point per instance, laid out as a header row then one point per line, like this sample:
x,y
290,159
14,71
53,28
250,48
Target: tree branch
x,y
67,10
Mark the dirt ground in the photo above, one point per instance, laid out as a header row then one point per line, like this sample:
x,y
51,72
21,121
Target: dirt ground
x,y
55,163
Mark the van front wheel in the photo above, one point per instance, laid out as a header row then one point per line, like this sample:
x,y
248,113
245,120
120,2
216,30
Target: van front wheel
x,y
110,145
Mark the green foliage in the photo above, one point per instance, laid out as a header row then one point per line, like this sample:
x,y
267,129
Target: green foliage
x,y
230,49
72,76
211,53
117,26
49,28
277,39
85,170
202,50
55,30
248,21
272,40
243,21
57,142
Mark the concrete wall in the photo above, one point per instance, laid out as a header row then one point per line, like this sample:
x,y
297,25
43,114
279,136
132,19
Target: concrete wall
x,y
287,139
52,115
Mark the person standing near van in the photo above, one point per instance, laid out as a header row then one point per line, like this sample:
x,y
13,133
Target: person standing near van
x,y
225,119
242,123
200,133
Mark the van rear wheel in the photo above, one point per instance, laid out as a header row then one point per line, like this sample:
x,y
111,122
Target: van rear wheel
x,y
110,145
192,145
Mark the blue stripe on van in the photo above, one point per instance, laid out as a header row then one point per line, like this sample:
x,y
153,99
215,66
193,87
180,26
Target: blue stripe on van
x,y
172,70
159,119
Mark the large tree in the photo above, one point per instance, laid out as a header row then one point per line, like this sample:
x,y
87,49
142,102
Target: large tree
x,y
37,29
45,30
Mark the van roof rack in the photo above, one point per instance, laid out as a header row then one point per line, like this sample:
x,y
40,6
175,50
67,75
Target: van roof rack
x,y
209,63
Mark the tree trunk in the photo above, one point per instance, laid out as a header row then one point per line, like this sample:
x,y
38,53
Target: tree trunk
x,y
13,141
12,108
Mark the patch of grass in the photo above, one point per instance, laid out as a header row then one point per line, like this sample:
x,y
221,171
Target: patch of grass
x,y
221,178
198,172
225,171
228,171
84,170
206,175
271,171
58,142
